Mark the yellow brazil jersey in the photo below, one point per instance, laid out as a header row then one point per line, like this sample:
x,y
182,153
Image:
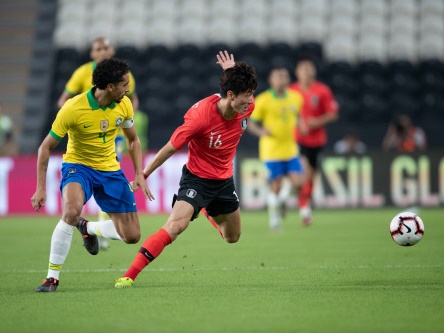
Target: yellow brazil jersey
x,y
279,115
81,80
91,130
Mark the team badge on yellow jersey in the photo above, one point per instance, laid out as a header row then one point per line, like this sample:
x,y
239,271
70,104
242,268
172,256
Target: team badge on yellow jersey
x,y
104,124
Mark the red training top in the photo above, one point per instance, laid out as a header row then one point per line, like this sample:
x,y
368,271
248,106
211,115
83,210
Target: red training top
x,y
318,100
212,139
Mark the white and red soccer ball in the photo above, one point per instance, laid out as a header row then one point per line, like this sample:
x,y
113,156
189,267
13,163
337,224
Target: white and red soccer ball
x,y
406,229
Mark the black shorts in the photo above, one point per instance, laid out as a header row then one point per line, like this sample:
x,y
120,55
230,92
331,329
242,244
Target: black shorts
x,y
312,154
216,196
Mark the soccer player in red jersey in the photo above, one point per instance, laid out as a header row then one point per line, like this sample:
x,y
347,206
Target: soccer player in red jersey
x,y
319,109
212,129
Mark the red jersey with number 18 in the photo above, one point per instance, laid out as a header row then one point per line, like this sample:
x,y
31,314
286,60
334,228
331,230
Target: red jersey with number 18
x,y
212,139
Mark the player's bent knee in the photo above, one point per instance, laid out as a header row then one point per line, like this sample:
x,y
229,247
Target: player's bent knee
x,y
131,239
70,216
232,238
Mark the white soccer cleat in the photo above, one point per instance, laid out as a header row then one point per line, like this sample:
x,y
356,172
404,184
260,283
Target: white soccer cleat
x,y
305,213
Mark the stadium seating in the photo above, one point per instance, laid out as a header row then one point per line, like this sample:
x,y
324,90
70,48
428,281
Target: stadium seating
x,y
380,57
374,8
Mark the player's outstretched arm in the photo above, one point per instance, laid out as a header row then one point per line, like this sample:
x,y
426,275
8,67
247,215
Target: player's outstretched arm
x,y
225,60
256,129
38,200
163,154
135,152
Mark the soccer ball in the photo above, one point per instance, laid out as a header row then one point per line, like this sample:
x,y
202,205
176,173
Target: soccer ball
x,y
406,229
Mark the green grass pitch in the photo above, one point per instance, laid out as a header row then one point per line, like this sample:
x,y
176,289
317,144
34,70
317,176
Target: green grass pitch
x,y
342,274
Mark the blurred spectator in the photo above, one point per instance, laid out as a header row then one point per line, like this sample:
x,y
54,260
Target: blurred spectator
x,y
7,144
402,136
350,144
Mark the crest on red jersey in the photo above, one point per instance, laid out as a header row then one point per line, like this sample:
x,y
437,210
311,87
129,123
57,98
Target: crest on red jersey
x,y
314,100
244,123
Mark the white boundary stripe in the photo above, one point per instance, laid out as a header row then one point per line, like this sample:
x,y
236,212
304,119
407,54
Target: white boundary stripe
x,y
172,269
389,266
250,268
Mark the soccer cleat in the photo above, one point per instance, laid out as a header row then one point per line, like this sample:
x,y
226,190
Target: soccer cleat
x,y
49,285
91,243
124,282
103,243
305,213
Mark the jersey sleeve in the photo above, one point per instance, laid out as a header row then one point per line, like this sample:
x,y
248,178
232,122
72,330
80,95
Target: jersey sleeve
x,y
132,85
74,84
130,110
329,103
129,116
192,127
62,123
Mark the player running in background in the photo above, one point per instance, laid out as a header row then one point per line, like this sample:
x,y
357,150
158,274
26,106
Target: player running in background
x,y
319,110
212,129
81,81
274,119
89,167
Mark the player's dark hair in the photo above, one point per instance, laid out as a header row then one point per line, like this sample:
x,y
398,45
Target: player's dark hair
x,y
305,57
277,67
108,71
241,78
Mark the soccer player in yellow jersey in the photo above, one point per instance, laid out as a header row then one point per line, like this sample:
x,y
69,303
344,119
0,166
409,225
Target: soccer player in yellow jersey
x,y
90,167
81,81
274,121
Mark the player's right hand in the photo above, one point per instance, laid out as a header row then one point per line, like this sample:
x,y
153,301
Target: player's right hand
x,y
38,199
139,182
225,60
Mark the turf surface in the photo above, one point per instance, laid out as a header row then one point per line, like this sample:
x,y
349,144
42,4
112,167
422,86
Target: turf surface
x,y
342,274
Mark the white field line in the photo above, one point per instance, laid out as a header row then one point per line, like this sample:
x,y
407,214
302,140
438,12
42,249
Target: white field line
x,y
249,268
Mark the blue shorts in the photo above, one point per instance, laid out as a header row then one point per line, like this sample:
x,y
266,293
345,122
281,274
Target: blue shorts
x,y
119,147
112,191
280,168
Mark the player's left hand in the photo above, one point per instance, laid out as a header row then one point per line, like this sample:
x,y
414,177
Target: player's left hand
x,y
225,60
139,182
314,123
303,127
38,199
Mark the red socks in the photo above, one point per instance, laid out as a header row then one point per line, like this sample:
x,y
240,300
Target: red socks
x,y
304,196
151,248
214,224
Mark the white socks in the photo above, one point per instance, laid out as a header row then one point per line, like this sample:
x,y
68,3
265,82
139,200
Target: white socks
x,y
60,245
274,212
104,229
62,238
